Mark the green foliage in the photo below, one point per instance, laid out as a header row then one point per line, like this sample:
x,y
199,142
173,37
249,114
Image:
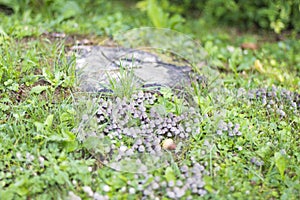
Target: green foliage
x,y
159,17
276,15
281,163
64,16
169,174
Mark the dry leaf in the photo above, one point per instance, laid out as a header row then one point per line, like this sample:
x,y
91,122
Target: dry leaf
x,y
251,46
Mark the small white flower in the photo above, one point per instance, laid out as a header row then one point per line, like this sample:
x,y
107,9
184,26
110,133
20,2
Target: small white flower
x,y
88,190
29,157
179,192
206,143
283,152
98,196
72,196
74,182
106,188
123,148
19,155
141,148
230,49
123,189
217,168
41,160
140,187
131,191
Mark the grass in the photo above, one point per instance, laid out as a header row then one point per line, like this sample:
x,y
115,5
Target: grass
x,y
42,157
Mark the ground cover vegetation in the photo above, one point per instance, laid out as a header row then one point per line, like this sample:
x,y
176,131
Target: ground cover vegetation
x,y
236,126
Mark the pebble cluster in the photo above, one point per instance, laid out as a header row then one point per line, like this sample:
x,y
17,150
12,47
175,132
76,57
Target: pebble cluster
x,y
276,100
280,102
140,120
229,128
187,184
140,126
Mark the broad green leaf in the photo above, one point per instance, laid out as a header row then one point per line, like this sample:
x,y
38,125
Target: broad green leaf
x,y
68,134
70,146
48,122
21,187
7,194
61,177
65,117
91,143
57,138
169,174
70,9
39,126
208,183
97,145
2,32
277,26
38,89
281,163
156,14
174,20
64,136
14,87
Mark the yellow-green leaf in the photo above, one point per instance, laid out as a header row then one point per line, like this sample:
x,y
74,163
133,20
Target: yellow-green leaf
x,y
281,163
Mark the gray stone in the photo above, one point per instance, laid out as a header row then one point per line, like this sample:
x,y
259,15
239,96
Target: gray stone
x,y
97,65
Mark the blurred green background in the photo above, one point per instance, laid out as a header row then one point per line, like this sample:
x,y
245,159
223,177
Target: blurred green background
x,y
104,17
